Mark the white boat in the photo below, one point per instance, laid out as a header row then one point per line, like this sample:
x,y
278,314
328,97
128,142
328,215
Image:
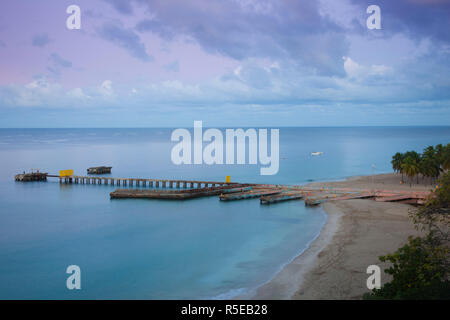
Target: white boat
x,y
318,153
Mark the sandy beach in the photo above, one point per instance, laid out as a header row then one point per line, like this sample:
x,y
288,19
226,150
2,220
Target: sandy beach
x,y
357,232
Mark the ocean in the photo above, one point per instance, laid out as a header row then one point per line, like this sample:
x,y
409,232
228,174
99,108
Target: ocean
x,y
158,249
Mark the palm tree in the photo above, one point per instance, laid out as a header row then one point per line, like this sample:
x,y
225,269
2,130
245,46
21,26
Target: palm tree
x,y
396,162
445,157
410,167
429,163
435,170
439,152
413,154
429,167
429,152
415,158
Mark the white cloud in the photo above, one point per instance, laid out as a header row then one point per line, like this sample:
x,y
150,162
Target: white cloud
x,y
78,93
107,85
106,88
358,71
252,83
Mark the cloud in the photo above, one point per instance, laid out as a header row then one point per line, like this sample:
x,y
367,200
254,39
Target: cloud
x,y
40,40
42,92
59,61
172,67
78,94
417,18
107,85
258,83
126,39
290,30
357,71
57,64
280,55
122,6
37,93
106,88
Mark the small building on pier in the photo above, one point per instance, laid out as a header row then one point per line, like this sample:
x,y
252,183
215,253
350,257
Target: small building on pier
x,y
99,170
33,176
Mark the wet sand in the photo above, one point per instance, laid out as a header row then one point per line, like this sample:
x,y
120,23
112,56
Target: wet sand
x,y
357,232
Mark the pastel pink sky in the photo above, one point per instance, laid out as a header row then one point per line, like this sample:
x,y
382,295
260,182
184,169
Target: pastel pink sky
x,y
93,59
248,62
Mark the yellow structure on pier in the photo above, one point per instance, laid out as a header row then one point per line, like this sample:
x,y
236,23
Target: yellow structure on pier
x,y
66,173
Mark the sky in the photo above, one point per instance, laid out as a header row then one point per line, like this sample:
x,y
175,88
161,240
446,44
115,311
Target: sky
x,y
229,63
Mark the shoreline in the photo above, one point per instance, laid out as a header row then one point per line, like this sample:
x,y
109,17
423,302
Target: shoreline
x,y
284,284
355,234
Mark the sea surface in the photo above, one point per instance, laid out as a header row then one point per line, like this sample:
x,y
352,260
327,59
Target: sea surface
x,y
158,249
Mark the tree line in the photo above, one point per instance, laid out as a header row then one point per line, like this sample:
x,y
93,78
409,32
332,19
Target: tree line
x,y
430,164
421,268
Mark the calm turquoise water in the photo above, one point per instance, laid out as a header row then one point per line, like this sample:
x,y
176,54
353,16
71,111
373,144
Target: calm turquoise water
x,y
151,249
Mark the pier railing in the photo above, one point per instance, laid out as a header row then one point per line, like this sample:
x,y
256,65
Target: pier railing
x,y
142,182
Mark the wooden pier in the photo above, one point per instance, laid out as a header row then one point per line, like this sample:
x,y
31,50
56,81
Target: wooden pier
x,y
177,195
253,193
141,182
229,191
410,197
284,196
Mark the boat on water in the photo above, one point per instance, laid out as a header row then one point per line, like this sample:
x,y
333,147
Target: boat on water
x,y
318,153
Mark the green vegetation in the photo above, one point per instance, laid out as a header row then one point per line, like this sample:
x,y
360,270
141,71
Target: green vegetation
x,y
430,164
421,268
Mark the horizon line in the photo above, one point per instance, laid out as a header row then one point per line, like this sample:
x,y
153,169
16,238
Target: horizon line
x,y
226,127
